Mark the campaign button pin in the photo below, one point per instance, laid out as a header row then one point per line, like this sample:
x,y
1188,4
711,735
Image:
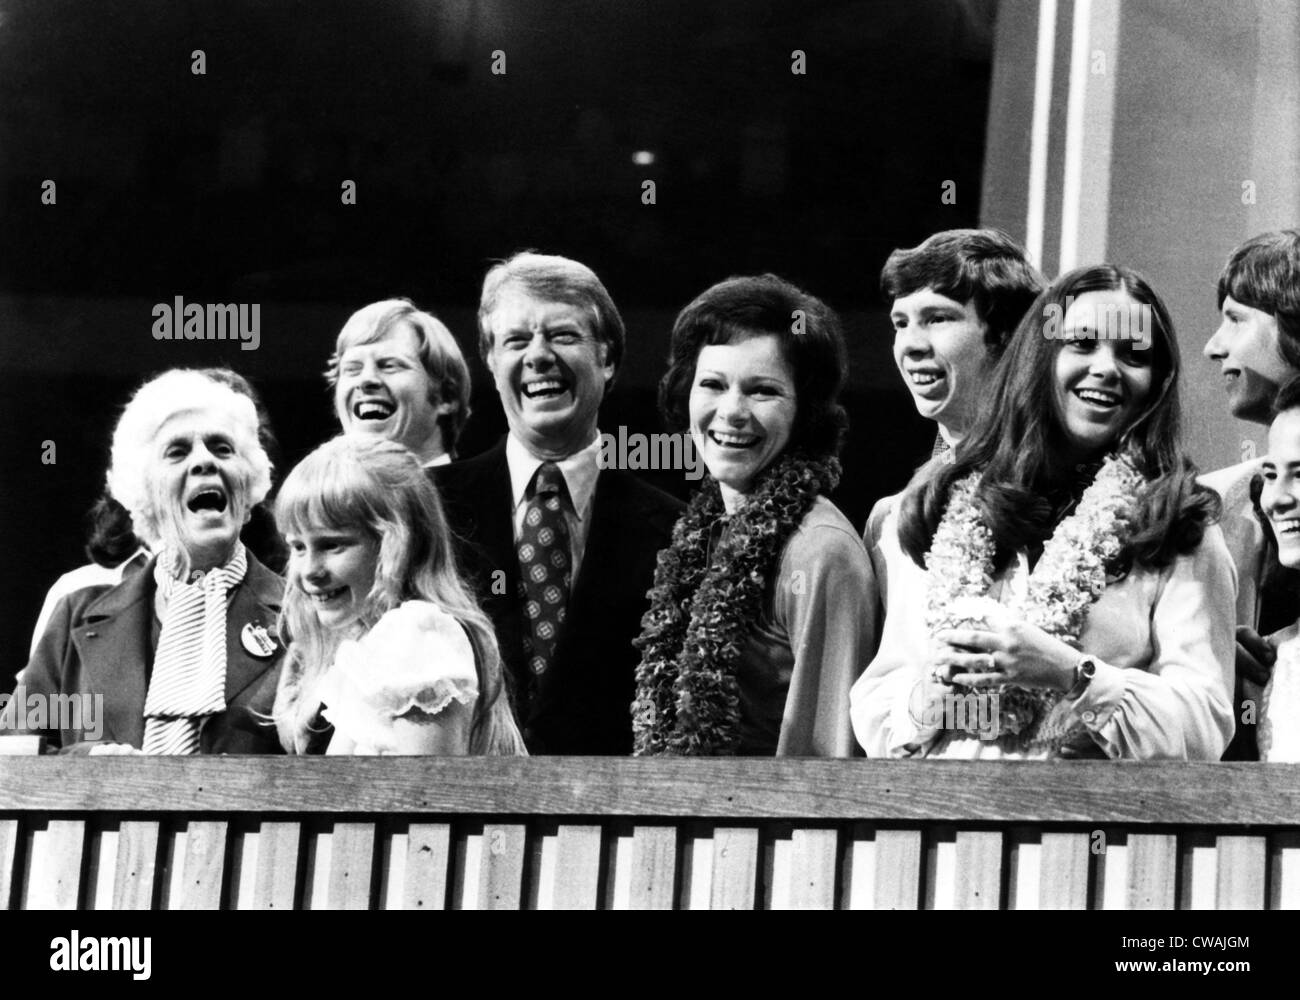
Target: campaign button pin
x,y
257,640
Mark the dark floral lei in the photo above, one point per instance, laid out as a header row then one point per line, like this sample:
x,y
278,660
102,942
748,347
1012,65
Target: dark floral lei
x,y
687,700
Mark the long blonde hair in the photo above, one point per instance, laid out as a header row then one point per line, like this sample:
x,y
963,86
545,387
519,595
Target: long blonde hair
x,y
378,487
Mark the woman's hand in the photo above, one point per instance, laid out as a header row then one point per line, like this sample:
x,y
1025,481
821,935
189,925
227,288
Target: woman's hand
x,y
1255,655
113,750
1004,652
928,700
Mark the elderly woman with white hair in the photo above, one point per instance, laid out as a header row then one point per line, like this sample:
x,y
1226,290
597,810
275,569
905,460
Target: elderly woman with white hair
x,y
182,653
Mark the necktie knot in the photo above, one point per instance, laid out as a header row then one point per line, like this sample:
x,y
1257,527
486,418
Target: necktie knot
x,y
549,481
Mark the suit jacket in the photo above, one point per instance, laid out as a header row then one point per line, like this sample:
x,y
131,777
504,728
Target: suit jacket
x,y
100,642
582,704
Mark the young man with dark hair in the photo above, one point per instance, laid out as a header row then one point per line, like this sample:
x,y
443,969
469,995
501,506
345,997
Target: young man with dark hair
x,y
1257,346
956,299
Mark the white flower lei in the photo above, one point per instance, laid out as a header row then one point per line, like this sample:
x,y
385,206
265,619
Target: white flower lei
x,y
1069,577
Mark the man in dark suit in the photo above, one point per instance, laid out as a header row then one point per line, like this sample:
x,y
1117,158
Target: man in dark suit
x,y
561,550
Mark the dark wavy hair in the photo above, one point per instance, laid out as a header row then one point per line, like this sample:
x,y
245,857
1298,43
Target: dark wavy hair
x,y
1019,437
812,343
1287,398
985,266
110,536
1264,273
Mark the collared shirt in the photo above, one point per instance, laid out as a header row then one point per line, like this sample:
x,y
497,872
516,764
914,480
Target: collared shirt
x,y
443,459
580,472
942,449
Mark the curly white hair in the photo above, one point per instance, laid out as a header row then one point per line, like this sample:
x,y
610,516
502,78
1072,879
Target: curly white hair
x,y
154,403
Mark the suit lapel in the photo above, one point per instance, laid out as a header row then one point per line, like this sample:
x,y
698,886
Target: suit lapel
x,y
112,643
607,557
256,602
496,536
496,524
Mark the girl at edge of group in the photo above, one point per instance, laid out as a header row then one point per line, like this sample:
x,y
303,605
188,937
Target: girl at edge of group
x,y
1279,700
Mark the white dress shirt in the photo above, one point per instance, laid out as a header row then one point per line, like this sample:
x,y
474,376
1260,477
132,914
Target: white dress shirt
x,y
580,472
1279,707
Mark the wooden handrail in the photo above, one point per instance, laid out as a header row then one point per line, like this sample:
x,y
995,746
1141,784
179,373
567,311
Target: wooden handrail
x,y
716,788
352,832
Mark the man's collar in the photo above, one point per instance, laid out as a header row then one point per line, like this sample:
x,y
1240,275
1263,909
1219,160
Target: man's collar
x,y
443,459
580,472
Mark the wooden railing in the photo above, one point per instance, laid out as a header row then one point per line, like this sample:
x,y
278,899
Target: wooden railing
x,y
282,833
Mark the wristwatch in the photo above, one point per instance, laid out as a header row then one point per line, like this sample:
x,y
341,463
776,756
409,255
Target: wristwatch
x,y
1084,671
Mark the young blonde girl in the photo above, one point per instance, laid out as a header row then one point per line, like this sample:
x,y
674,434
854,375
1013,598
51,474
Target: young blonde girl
x,y
388,651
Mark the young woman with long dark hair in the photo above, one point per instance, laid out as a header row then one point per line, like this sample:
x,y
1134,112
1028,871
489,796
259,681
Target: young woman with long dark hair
x,y
1063,589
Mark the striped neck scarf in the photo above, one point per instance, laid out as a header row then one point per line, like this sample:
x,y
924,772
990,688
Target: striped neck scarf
x,y
189,670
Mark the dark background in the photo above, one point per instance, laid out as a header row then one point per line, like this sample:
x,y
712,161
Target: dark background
x,y
226,187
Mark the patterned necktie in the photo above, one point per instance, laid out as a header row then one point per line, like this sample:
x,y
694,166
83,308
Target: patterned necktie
x,y
189,669
544,566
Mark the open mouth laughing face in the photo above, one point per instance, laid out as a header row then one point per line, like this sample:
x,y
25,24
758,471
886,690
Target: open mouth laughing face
x,y
941,353
550,371
1101,385
383,390
199,485
742,410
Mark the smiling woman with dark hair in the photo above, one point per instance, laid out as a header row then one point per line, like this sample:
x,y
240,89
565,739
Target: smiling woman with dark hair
x,y
1279,502
1061,589
181,652
756,628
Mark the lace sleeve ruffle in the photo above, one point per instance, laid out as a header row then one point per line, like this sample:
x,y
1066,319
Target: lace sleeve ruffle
x,y
416,661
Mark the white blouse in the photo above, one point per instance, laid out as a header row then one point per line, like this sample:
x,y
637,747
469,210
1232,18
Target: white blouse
x,y
1165,644
1279,710
397,689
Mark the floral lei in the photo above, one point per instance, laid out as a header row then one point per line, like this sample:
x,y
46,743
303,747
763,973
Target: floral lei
x,y
1068,578
687,700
